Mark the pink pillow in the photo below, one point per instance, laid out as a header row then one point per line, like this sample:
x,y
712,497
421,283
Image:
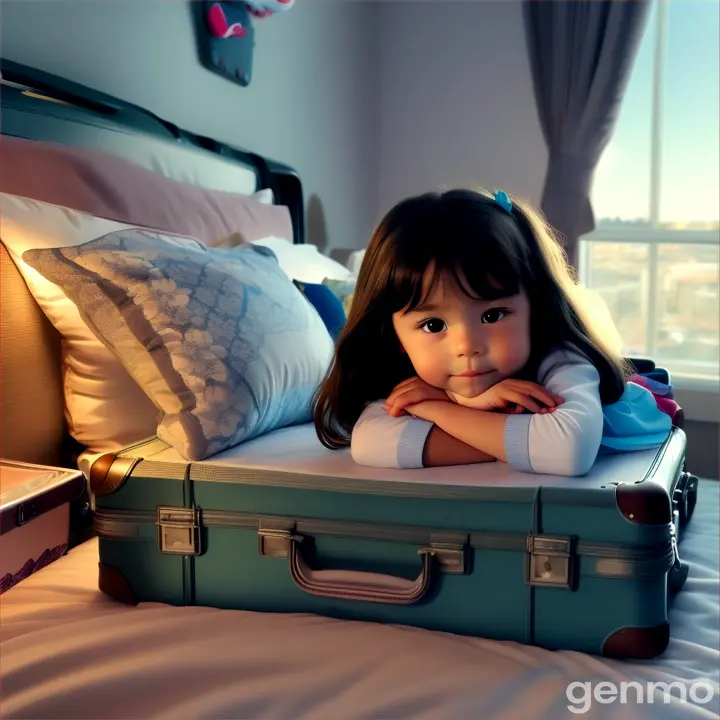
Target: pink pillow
x,y
104,185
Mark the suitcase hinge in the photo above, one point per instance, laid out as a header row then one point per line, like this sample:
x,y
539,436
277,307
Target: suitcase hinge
x,y
179,531
550,561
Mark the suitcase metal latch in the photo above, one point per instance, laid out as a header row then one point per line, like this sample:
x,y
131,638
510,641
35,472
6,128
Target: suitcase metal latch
x,y
275,542
178,531
550,561
449,552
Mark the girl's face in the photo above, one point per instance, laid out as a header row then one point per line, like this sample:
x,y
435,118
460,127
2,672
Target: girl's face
x,y
464,345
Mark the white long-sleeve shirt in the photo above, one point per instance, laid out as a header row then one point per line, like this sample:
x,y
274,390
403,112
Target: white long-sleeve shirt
x,y
564,442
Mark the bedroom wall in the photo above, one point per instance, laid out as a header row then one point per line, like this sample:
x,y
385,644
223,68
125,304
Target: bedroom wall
x,y
310,103
457,105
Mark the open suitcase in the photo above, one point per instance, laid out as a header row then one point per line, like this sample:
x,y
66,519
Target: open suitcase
x,y
280,524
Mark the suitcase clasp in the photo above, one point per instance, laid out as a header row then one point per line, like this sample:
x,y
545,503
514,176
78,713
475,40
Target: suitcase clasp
x,y
449,552
550,561
179,531
274,539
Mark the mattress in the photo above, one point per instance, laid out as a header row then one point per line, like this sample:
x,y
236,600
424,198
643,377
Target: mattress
x,y
67,651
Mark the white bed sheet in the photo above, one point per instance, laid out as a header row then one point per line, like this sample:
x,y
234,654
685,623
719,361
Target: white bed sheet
x,y
67,651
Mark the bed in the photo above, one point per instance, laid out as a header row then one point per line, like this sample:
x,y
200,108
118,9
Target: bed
x,y
69,651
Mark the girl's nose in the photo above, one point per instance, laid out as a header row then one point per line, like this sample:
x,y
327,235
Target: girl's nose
x,y
467,343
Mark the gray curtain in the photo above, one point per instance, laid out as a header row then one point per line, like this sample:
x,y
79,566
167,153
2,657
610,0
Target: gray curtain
x,y
581,53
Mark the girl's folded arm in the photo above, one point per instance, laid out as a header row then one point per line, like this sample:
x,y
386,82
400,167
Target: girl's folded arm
x,y
566,441
379,440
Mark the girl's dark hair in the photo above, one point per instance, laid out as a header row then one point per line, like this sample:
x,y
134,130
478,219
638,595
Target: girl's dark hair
x,y
492,252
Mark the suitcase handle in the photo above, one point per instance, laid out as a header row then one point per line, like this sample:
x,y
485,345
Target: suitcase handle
x,y
361,586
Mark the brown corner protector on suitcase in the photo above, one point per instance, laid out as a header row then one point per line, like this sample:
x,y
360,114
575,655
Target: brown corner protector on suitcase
x,y
109,472
645,503
98,473
633,643
113,583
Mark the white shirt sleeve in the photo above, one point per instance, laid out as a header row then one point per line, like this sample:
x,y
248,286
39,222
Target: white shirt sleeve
x,y
565,442
379,440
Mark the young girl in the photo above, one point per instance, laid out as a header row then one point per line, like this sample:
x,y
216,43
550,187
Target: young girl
x,y
466,342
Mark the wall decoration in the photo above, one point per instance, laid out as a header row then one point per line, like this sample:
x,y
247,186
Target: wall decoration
x,y
226,37
219,25
265,8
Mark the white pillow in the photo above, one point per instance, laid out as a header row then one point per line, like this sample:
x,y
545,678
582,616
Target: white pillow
x,y
105,409
354,262
305,262
264,196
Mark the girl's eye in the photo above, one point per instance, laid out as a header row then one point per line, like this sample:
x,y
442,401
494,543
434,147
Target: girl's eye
x,y
434,325
492,316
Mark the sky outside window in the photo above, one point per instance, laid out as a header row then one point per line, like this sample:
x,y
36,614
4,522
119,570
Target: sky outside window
x,y
690,148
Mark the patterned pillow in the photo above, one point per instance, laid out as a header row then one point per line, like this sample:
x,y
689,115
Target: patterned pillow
x,y
221,340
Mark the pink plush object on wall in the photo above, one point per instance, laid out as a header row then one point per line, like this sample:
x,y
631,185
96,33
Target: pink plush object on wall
x,y
219,25
265,8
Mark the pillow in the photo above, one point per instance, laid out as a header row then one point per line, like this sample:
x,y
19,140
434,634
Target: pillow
x,y
354,261
105,185
220,340
104,408
302,262
264,196
327,304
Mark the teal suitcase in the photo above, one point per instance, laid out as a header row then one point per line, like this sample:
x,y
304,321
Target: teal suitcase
x,y
586,564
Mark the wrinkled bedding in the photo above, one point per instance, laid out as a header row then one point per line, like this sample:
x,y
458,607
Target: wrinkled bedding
x,y
67,651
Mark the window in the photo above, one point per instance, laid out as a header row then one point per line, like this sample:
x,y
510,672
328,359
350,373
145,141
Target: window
x,y
654,256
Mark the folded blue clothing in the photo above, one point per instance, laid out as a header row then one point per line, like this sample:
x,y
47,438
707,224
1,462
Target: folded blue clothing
x,y
634,422
327,304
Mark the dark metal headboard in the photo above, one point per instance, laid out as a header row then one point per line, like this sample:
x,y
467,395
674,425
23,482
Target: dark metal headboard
x,y
39,106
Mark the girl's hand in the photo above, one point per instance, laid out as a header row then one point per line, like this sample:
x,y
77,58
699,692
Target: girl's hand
x,y
411,392
516,396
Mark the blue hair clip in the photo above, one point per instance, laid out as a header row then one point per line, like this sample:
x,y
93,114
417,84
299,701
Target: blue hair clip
x,y
503,201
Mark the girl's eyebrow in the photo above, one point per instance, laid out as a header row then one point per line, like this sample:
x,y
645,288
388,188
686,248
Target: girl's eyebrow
x,y
425,307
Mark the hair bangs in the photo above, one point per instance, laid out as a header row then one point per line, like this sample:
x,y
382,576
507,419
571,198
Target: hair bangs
x,y
493,277
480,261
410,285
